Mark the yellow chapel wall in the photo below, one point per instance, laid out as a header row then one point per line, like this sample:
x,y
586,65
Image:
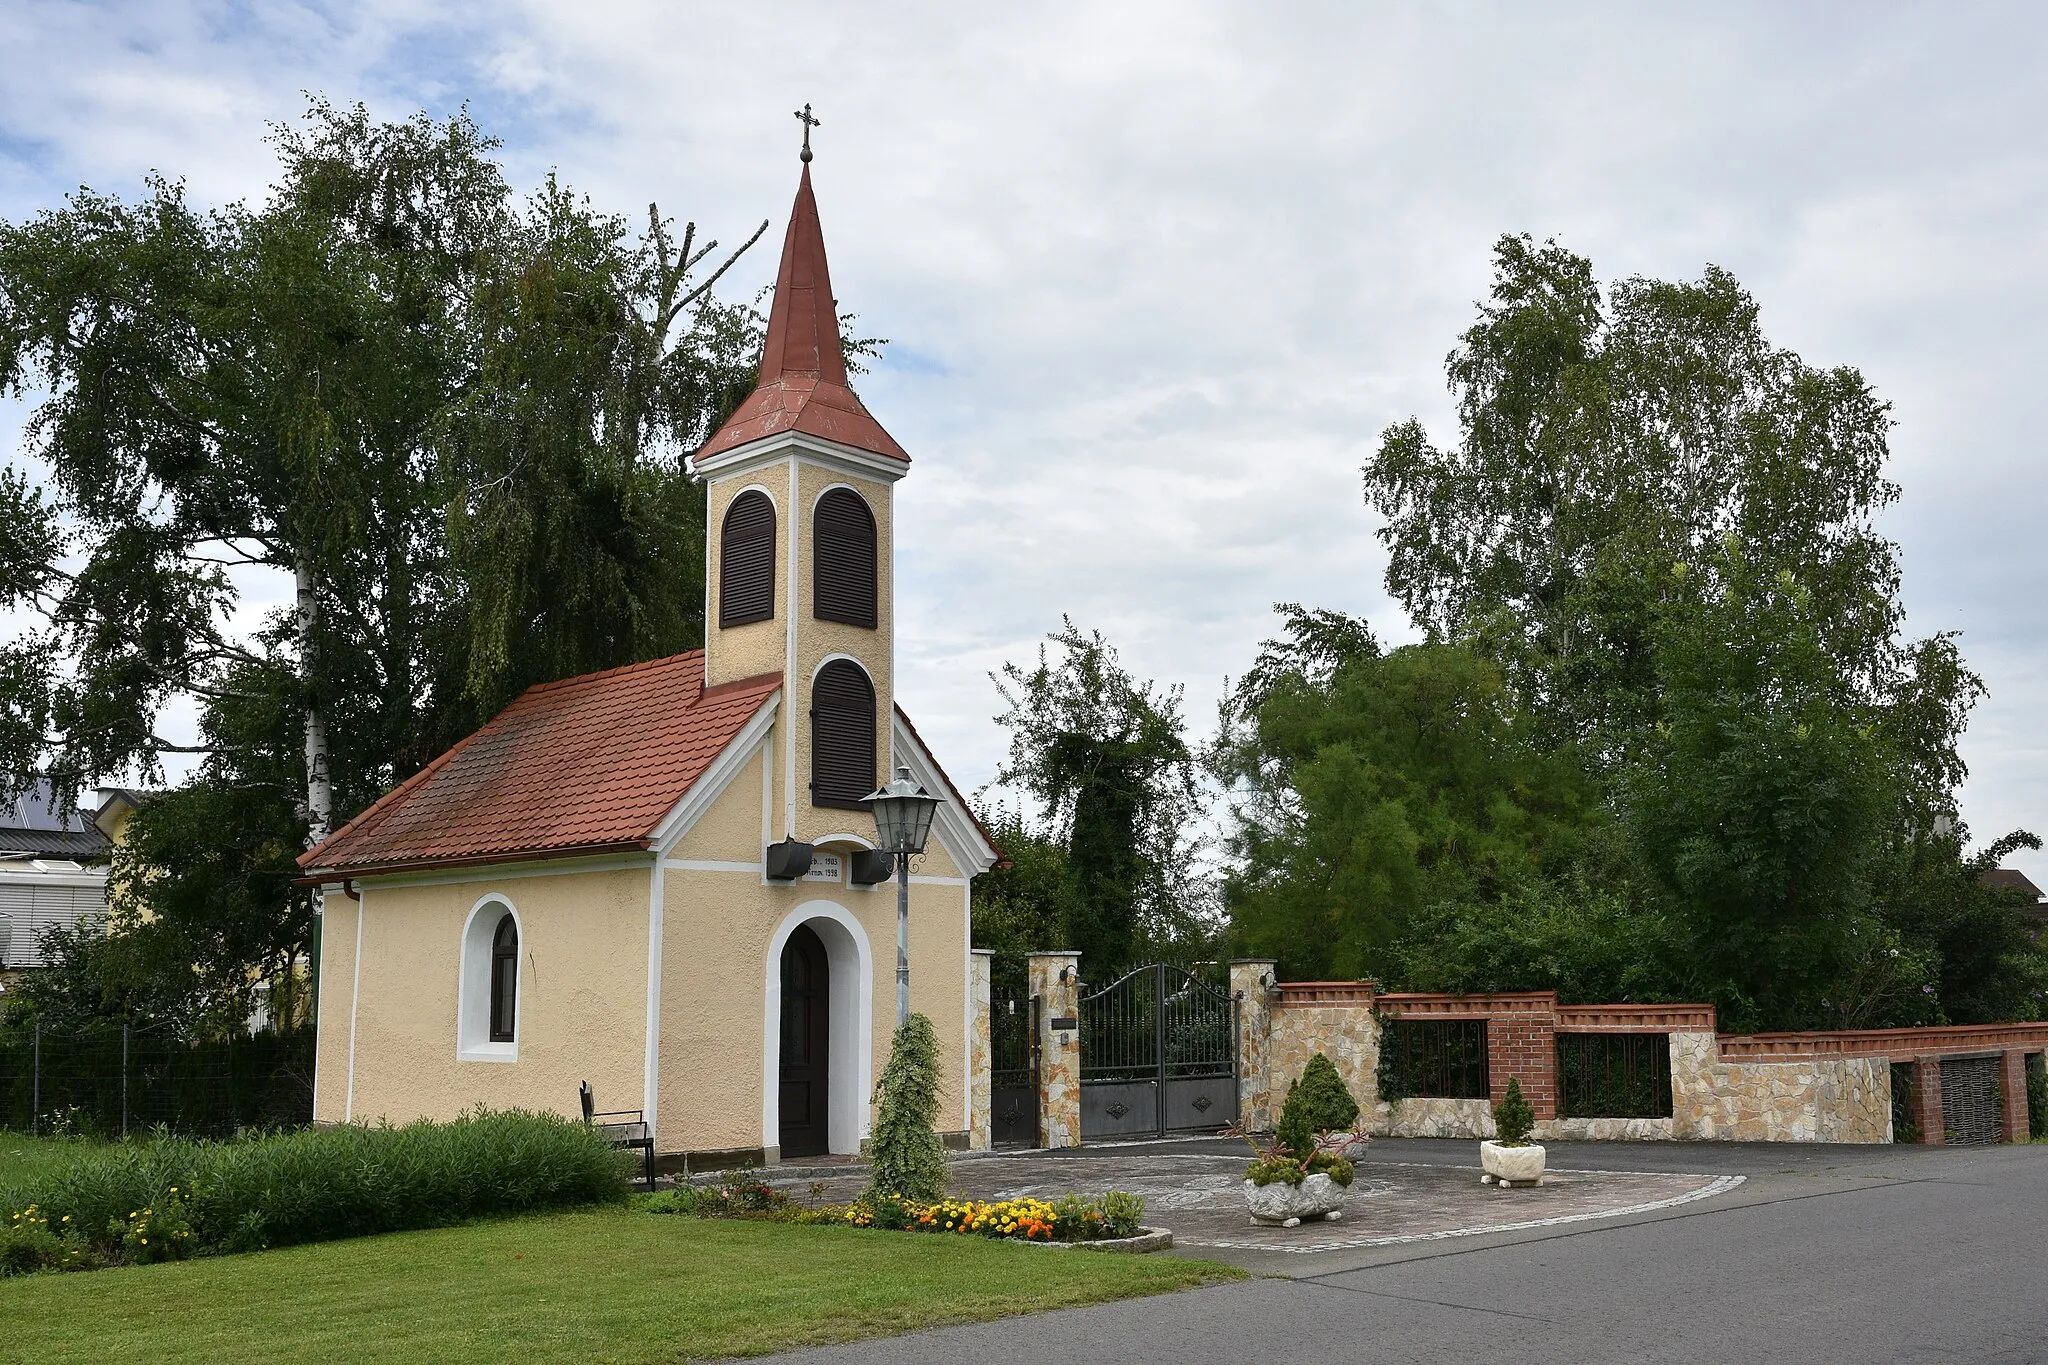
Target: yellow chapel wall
x,y
720,917
582,996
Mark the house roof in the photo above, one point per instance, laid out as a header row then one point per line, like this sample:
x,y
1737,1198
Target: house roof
x,y
585,765
803,370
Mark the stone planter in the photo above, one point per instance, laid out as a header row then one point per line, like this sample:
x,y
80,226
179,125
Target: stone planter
x,y
1510,1165
1285,1206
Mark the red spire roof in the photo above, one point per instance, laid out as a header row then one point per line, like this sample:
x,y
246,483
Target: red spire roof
x,y
803,372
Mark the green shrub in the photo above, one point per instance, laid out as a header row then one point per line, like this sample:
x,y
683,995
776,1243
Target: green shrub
x,y
1122,1214
320,1184
28,1243
735,1193
908,1160
1277,1166
1325,1098
1512,1117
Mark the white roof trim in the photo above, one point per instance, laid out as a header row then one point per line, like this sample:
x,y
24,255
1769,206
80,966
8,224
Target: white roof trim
x,y
773,449
716,777
965,844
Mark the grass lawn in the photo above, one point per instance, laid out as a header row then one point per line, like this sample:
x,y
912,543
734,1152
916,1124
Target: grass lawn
x,y
598,1285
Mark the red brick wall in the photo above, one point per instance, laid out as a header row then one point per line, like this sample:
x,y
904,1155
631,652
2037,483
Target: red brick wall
x,y
1523,1045
1927,1100
2012,1078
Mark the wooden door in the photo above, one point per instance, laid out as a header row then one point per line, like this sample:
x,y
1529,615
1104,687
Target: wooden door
x,y
806,1045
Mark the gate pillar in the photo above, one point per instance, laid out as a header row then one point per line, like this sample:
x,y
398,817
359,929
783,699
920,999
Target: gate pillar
x,y
1248,980
1056,981
2012,1087
980,1053
1927,1100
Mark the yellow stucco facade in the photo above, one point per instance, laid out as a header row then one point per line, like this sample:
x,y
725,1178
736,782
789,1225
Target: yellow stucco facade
x,y
695,1043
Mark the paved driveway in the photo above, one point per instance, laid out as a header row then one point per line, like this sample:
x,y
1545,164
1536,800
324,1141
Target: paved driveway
x,y
1822,1254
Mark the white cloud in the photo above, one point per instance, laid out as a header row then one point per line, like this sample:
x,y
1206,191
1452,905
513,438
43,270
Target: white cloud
x,y
1157,275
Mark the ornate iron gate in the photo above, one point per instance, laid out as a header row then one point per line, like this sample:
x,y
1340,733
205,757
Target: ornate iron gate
x,y
1013,1047
1158,1055
1970,1100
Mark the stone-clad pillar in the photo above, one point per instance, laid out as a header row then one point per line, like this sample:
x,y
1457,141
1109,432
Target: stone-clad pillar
x,y
1056,982
1248,978
1927,1100
2012,1089
981,1053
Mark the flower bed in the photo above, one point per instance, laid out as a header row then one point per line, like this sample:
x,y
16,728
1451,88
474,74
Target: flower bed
x,y
1074,1219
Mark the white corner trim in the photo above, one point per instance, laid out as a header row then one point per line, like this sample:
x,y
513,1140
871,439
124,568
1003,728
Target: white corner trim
x,y
842,838
963,840
716,777
789,665
845,459
852,488
919,880
650,1086
355,998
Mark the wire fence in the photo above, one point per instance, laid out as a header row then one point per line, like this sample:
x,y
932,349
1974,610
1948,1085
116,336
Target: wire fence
x,y
111,1082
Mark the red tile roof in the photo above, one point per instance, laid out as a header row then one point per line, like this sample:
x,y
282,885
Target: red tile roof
x,y
803,371
584,765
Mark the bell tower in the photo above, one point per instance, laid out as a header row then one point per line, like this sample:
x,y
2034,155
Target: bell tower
x,y
800,498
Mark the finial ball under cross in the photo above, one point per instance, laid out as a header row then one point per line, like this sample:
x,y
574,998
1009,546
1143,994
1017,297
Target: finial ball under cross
x,y
803,116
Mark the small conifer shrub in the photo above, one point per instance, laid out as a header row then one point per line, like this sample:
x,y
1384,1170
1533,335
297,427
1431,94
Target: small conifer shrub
x,y
909,1161
1513,1119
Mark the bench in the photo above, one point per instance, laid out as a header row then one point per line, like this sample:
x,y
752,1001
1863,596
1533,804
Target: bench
x,y
624,1128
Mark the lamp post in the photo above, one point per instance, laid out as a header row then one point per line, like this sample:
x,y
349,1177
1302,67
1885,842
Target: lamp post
x,y
903,821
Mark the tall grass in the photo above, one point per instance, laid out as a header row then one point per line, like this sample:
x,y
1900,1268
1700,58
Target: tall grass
x,y
320,1184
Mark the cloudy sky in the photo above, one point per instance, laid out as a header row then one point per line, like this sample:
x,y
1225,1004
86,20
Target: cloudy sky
x,y
1156,275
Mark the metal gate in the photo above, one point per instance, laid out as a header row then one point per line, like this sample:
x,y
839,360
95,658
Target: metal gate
x,y
1970,1100
1013,1047
1158,1055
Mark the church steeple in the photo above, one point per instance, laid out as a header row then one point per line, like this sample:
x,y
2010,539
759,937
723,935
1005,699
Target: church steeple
x,y
803,385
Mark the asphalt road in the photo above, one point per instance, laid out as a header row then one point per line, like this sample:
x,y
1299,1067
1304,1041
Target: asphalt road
x,y
1824,1254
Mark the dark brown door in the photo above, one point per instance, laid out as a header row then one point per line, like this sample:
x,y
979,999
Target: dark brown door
x,y
806,1044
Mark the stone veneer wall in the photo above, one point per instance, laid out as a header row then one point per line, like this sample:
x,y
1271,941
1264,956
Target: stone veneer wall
x,y
1059,1050
1797,1099
1809,1098
980,1053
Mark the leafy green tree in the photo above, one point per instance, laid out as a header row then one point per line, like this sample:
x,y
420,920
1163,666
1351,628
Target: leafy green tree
x,y
1369,787
1605,440
456,423
1027,906
1107,758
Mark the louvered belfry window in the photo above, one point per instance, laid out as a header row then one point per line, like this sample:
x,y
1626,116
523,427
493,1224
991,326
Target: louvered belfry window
x,y
842,735
843,559
746,561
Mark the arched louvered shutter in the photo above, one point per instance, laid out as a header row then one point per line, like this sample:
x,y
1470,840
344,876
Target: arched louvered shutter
x,y
746,561
843,560
842,735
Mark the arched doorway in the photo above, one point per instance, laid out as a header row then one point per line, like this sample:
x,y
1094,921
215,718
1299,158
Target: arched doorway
x,y
804,1063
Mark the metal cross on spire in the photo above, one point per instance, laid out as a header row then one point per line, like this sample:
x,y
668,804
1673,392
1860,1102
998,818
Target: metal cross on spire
x,y
803,116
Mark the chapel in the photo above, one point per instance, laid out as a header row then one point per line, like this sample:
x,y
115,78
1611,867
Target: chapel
x,y
659,880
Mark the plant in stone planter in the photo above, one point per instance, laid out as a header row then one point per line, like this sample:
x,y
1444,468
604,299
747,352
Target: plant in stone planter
x,y
1298,1178
1510,1158
1329,1109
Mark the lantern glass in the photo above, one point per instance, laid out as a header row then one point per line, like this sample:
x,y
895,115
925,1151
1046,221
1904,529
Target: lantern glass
x,y
903,814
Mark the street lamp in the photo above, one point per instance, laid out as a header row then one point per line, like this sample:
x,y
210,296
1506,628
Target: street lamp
x,y
903,821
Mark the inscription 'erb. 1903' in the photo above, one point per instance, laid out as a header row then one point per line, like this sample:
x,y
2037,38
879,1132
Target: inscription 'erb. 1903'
x,y
825,867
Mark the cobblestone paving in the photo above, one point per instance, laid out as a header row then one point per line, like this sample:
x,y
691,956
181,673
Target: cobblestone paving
x,y
1201,1199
